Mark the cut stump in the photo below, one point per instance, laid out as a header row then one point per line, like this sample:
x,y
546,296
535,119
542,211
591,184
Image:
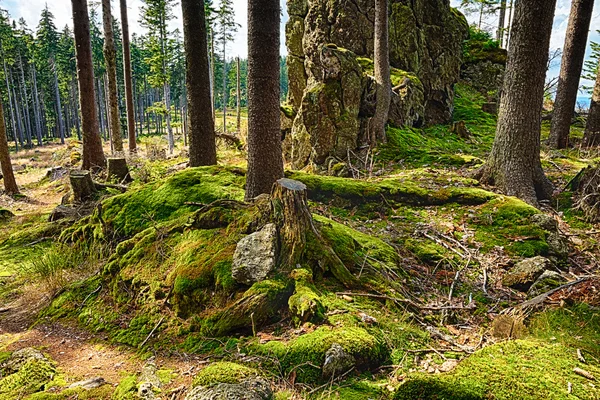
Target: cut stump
x,y
117,168
82,185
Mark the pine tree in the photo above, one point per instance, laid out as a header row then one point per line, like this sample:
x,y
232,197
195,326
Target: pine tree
x,y
93,155
10,184
570,72
265,161
382,72
226,29
128,78
514,164
201,124
591,136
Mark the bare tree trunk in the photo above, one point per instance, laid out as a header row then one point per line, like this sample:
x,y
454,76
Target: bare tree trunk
x,y
110,59
238,96
25,104
128,84
591,137
382,72
61,127
74,94
570,72
203,149
17,112
101,107
12,110
108,111
514,164
10,184
224,90
501,23
93,155
212,71
36,106
510,22
265,161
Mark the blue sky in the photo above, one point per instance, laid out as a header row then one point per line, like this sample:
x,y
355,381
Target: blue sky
x,y
30,10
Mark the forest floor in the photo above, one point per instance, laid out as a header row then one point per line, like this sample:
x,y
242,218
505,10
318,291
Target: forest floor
x,y
452,240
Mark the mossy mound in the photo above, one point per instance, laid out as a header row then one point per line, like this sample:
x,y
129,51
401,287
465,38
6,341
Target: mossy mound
x,y
223,372
30,378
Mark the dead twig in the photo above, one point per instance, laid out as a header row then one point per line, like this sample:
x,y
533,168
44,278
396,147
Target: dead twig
x,y
151,332
584,373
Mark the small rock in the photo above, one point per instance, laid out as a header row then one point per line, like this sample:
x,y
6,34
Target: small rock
x,y
251,389
366,318
255,255
558,246
149,375
448,365
337,361
526,272
20,358
145,391
545,222
89,383
546,282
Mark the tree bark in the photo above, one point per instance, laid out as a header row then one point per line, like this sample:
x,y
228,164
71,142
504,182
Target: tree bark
x,y
238,96
591,137
501,22
382,72
265,161
201,125
224,86
36,106
82,185
10,184
570,72
10,105
61,127
93,155
127,72
514,164
110,59
25,103
212,72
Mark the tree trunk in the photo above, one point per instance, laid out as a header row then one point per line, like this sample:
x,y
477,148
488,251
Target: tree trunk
x,y
224,87
110,59
199,104
238,97
10,105
61,127
17,112
510,22
36,106
93,155
212,71
382,72
591,137
570,72
25,103
107,110
82,185
101,108
514,164
265,161
10,184
501,22
117,168
128,84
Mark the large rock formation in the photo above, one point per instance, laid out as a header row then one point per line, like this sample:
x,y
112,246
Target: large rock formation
x,y
330,44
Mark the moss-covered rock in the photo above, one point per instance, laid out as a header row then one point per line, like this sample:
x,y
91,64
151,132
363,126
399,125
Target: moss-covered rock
x,y
32,373
224,372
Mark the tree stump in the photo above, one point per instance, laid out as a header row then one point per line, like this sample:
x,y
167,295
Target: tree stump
x,y
460,129
82,185
290,209
117,167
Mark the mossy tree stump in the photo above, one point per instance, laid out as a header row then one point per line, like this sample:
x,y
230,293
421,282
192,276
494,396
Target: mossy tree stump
x,y
82,185
117,168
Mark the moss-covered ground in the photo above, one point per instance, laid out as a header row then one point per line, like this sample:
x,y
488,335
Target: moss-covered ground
x,y
148,274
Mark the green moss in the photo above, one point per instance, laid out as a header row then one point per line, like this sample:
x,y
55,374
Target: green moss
x,y
305,304
100,393
127,389
30,378
223,372
307,351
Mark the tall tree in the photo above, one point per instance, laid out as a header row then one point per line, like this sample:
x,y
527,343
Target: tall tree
x,y
128,79
238,95
265,161
155,16
514,163
10,184
570,72
591,136
93,155
227,27
501,23
110,59
382,72
201,127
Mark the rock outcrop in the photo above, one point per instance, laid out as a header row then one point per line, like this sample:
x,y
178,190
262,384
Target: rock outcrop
x,y
330,47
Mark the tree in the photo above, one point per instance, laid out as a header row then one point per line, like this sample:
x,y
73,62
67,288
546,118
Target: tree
x,y
265,161
10,184
382,72
111,71
480,7
201,125
591,136
238,95
514,164
570,72
155,16
591,66
93,155
501,23
128,79
227,27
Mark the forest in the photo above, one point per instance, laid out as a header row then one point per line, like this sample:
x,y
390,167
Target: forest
x,y
374,199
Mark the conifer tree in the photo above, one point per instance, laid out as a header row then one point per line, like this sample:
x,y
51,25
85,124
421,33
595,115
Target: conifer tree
x,y
10,184
128,78
226,28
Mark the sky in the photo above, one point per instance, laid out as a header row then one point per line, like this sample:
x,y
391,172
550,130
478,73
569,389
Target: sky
x,y
30,10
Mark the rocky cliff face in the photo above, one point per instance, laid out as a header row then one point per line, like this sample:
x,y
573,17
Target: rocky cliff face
x,y
330,44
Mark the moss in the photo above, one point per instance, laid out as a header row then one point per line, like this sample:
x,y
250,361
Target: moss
x,y
288,110
101,393
30,378
307,351
127,389
305,304
223,372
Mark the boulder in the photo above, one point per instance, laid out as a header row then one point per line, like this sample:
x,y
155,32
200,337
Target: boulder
x,y
19,358
251,389
526,272
337,361
558,246
89,384
256,255
547,281
545,222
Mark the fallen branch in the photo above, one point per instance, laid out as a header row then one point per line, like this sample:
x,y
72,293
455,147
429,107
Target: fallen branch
x,y
100,186
584,373
90,295
151,332
542,297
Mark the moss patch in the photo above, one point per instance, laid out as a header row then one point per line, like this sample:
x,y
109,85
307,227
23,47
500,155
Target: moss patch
x,y
223,372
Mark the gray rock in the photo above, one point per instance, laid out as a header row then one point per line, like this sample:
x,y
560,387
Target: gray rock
x,y
146,391
547,281
545,222
89,383
526,272
337,361
255,255
558,246
251,389
20,358
149,375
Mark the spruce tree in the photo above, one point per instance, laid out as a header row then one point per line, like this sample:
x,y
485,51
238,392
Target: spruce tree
x,y
226,28
382,72
591,136
128,78
10,184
